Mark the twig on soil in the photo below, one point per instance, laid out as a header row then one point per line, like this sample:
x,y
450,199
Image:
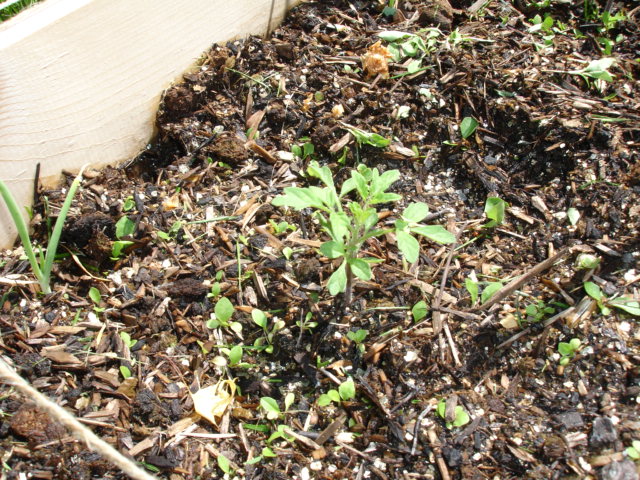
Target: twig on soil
x,y
423,413
517,282
69,421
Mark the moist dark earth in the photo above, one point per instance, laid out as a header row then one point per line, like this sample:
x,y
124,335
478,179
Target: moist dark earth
x,y
559,147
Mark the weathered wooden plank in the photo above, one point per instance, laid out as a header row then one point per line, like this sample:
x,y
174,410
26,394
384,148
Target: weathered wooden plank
x,y
80,80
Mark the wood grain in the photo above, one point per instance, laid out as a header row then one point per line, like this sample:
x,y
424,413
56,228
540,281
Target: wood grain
x,y
80,80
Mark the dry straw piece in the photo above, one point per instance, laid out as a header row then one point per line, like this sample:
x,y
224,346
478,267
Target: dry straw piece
x,y
128,466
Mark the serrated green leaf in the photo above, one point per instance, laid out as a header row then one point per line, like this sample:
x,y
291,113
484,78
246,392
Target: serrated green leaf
x,y
415,212
468,126
385,180
339,225
360,268
408,246
347,390
223,310
347,186
436,233
323,173
419,311
360,184
338,280
384,198
332,249
298,198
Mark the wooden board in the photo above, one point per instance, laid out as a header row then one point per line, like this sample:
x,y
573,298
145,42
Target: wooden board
x,y
80,80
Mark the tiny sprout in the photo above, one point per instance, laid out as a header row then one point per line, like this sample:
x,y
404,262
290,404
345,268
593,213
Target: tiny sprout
x,y
568,350
587,261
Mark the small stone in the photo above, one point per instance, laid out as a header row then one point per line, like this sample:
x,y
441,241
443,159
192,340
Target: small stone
x,y
570,419
452,456
623,470
603,432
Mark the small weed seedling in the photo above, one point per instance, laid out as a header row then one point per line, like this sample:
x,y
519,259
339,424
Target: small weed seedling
x,y
568,350
281,227
461,416
127,340
42,264
222,313
260,319
350,228
634,450
125,227
358,337
494,209
468,127
536,312
419,311
96,298
346,391
305,150
215,288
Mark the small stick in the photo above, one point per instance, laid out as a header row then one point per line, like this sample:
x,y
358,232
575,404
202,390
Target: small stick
x,y
81,432
517,282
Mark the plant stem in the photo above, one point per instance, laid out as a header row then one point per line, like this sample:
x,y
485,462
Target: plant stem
x,y
349,288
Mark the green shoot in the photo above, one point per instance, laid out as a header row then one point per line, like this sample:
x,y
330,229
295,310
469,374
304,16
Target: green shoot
x,y
461,416
568,350
42,267
349,228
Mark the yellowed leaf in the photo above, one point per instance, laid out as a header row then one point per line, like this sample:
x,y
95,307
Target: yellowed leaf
x,y
211,402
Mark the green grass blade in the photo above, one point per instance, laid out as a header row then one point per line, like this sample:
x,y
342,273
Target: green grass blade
x,y
52,247
23,232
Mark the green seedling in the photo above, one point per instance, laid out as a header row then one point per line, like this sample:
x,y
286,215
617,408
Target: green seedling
x,y
304,150
468,127
41,265
221,316
129,204
287,252
127,340
307,324
215,288
281,227
358,337
404,45
234,354
260,319
125,372
536,312
568,350
96,298
494,209
625,304
125,227
350,228
573,215
633,451
587,261
419,311
173,231
224,464
461,416
368,138
346,391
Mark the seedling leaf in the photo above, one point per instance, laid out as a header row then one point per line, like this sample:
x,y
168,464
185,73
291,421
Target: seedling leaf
x,y
223,310
419,311
468,126
347,390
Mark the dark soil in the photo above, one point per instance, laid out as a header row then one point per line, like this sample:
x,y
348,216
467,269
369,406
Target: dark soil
x,y
547,141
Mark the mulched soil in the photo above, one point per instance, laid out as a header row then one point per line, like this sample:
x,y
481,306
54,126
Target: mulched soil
x,y
199,197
